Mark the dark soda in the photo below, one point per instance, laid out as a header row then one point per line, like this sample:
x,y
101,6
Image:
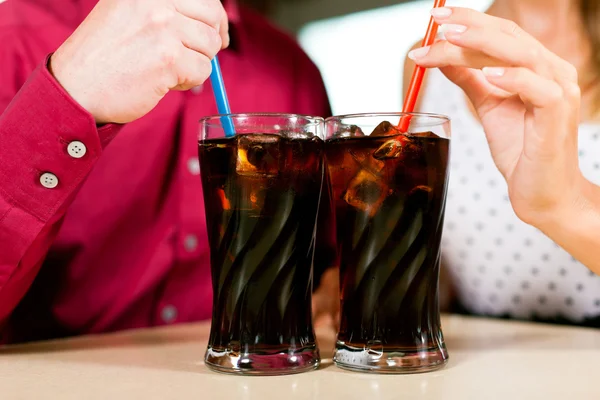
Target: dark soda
x,y
389,194
261,198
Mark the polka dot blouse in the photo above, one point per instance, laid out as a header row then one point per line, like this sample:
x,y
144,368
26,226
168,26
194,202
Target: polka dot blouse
x,y
501,266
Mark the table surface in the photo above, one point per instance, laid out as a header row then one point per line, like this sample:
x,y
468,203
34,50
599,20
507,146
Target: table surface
x,y
489,359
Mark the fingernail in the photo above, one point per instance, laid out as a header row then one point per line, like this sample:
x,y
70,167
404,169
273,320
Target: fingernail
x,y
419,53
494,71
441,12
451,28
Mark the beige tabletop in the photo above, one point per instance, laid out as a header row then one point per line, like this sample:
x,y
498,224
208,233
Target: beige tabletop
x,y
488,360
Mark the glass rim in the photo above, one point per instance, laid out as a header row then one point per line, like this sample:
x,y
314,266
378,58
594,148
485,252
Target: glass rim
x,y
312,120
439,117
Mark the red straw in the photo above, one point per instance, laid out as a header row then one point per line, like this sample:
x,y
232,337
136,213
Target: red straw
x,y
417,77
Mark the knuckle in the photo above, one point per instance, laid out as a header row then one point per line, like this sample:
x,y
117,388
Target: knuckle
x,y
533,53
532,56
517,76
438,53
215,12
160,19
168,57
215,41
572,92
211,40
218,43
446,46
556,94
204,70
447,50
198,74
514,29
469,15
572,73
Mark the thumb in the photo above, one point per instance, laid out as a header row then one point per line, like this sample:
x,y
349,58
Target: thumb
x,y
474,84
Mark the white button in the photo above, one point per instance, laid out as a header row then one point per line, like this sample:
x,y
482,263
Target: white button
x,y
48,180
193,166
168,314
198,89
190,243
76,149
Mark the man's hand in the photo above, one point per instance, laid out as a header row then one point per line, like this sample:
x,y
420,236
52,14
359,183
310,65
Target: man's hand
x,y
127,54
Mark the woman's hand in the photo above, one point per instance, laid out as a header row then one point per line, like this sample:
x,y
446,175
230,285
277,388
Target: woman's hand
x,y
528,100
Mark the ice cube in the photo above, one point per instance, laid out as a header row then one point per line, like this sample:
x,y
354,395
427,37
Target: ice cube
x,y
385,128
366,192
369,163
258,155
393,148
427,134
390,149
347,131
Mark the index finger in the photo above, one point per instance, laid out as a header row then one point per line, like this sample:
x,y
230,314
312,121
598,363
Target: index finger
x,y
563,71
476,19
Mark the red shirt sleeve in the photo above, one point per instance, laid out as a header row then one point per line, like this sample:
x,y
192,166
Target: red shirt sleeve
x,y
36,129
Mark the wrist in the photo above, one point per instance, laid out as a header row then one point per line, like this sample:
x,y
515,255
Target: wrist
x,y
56,68
59,71
575,216
575,228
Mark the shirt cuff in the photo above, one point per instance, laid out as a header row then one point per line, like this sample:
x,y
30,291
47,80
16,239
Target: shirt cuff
x,y
49,145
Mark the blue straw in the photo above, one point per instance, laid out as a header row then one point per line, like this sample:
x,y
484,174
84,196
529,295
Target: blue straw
x,y
216,78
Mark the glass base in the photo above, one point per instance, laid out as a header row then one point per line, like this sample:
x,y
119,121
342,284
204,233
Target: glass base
x,y
282,362
397,361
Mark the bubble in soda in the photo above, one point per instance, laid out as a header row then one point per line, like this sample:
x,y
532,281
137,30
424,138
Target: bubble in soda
x,y
258,155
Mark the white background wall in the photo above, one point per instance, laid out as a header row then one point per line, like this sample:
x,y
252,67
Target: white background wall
x,y
361,55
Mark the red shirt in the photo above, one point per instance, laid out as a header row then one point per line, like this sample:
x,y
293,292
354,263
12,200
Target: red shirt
x,y
120,242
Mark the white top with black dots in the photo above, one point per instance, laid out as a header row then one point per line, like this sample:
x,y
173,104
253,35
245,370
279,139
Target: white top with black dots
x,y
500,265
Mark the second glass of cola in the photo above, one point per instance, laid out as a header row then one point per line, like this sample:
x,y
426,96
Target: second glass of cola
x,y
389,190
